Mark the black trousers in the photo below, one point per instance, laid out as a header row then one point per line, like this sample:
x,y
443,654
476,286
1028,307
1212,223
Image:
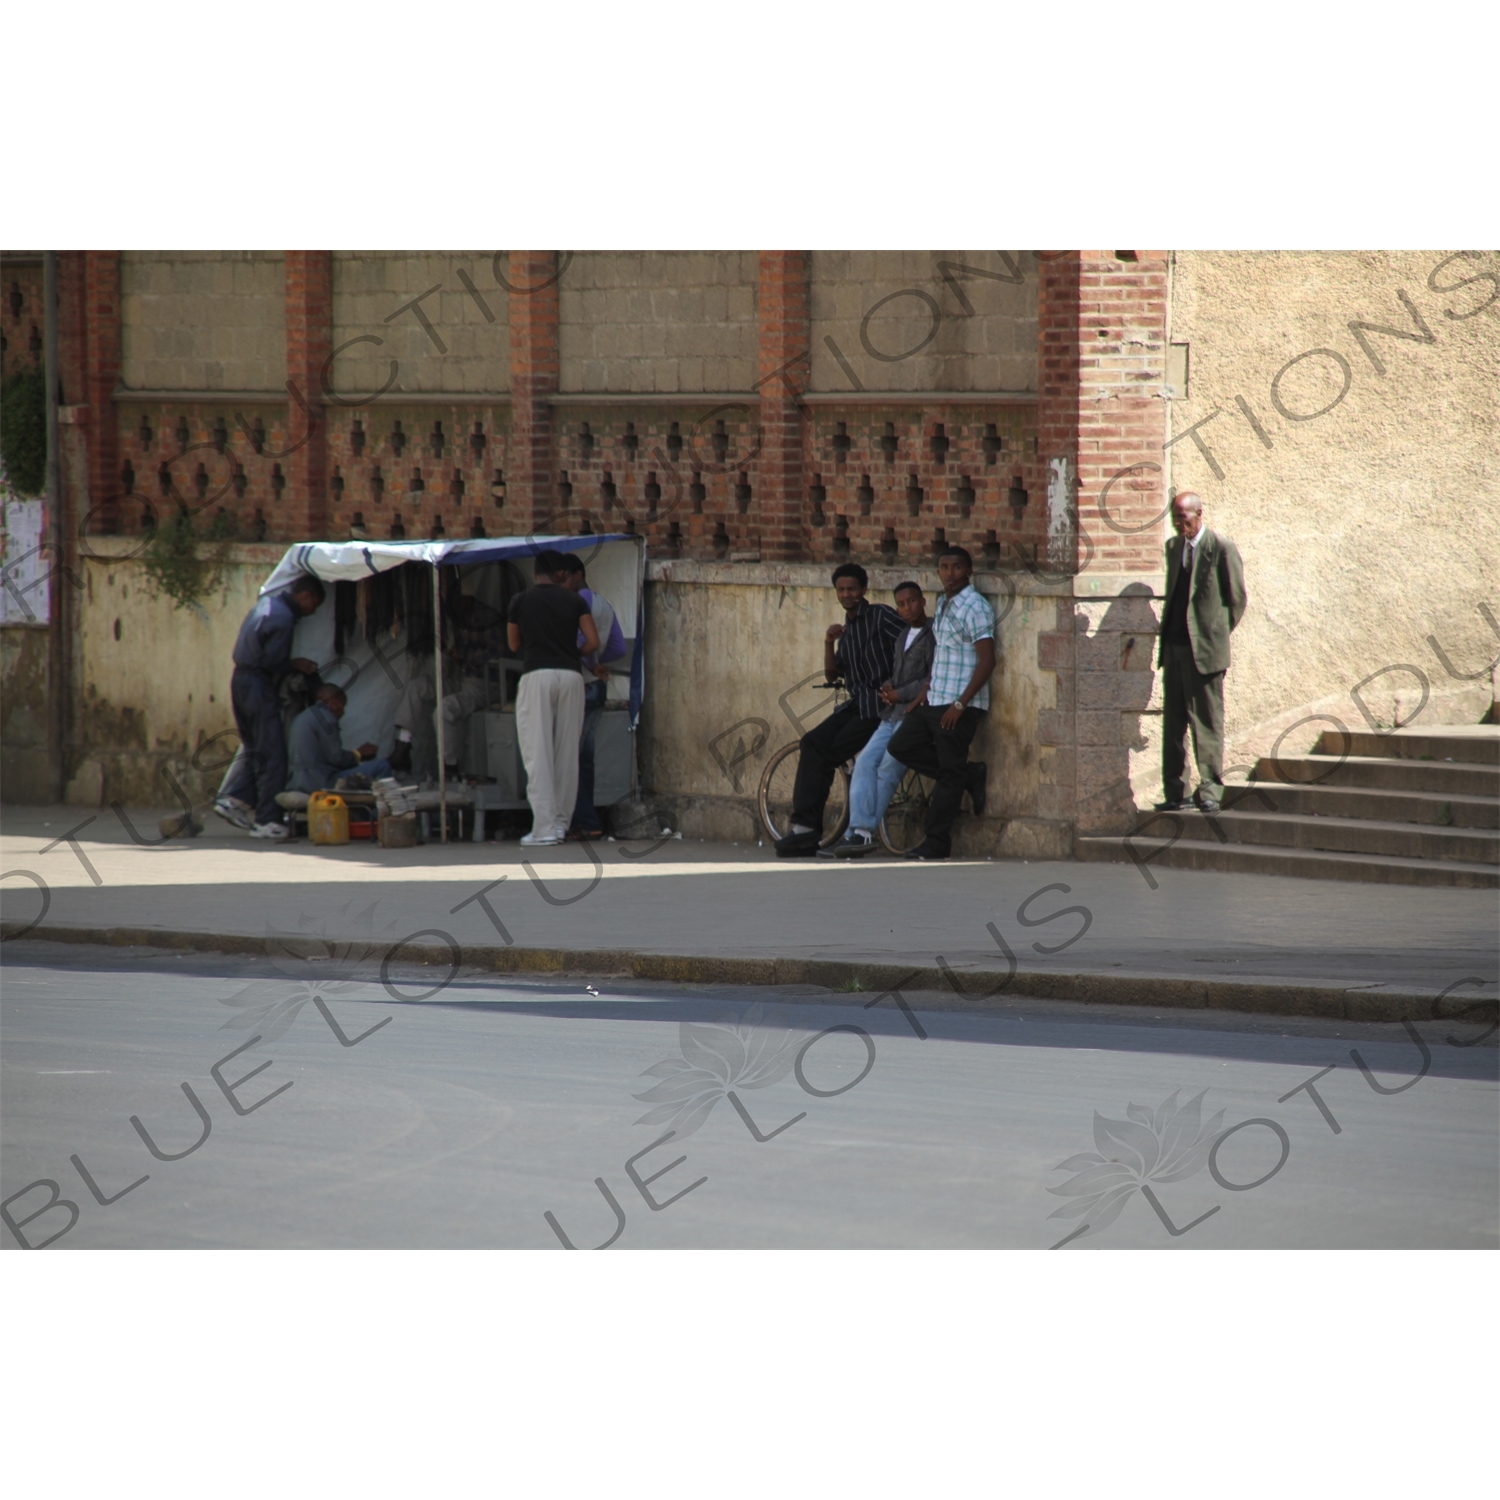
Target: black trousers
x,y
943,754
257,716
840,736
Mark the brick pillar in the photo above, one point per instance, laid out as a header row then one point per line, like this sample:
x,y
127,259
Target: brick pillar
x,y
1102,426
785,336
303,512
101,374
535,368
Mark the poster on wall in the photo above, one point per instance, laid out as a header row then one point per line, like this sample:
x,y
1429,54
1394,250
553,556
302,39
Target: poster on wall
x,y
26,596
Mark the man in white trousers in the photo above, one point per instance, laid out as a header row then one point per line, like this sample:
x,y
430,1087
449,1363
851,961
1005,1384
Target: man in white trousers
x,y
544,626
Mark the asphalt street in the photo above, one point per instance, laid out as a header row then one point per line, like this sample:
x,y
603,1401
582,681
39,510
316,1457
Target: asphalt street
x,y
378,1111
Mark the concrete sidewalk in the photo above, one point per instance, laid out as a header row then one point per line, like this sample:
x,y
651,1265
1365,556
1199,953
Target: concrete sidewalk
x,y
736,914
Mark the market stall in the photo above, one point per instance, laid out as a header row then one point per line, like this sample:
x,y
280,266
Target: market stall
x,y
399,609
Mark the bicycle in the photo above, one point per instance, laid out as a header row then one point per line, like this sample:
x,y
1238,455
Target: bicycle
x,y
901,830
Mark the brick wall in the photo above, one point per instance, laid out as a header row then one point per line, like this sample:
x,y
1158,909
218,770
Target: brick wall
x,y
203,320
1102,430
21,320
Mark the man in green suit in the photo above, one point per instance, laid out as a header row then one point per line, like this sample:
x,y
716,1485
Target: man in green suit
x,y
1205,600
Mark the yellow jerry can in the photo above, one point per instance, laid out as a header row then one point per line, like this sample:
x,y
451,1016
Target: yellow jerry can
x,y
327,819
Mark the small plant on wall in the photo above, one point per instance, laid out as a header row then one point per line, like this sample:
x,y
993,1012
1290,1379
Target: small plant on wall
x,y
173,563
23,431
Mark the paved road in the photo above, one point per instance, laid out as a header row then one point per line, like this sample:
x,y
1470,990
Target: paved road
x,y
740,901
466,1118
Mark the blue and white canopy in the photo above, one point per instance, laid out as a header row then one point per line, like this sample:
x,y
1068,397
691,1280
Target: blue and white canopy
x,y
616,566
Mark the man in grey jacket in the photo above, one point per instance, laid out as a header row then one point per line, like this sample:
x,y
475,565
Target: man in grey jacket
x,y
876,774
318,755
1205,599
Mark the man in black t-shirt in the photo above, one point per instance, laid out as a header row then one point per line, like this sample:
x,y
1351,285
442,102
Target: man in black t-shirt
x,y
544,625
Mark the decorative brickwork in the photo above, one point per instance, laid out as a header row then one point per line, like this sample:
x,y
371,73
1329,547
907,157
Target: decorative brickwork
x,y
21,315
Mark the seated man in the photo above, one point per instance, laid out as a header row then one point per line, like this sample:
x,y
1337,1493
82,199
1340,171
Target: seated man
x,y
860,652
318,755
876,774
935,736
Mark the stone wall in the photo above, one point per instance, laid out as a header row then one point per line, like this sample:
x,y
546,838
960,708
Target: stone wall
x,y
658,321
201,320
734,669
924,320
441,316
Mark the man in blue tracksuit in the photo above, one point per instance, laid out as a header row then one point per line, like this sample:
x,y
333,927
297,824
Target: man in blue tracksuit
x,y
262,655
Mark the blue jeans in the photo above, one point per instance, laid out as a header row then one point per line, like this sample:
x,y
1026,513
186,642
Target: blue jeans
x,y
585,814
876,777
376,770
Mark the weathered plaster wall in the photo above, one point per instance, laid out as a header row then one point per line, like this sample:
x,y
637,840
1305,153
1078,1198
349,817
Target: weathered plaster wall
x,y
899,322
1365,530
155,679
23,713
658,321
734,666
203,320
467,348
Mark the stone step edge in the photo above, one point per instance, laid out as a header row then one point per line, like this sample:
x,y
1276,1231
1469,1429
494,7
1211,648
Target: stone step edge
x,y
1266,852
992,988
1240,814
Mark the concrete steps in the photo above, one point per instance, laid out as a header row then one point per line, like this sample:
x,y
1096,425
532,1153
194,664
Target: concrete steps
x,y
1413,808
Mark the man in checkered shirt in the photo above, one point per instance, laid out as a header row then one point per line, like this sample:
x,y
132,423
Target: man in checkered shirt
x,y
935,736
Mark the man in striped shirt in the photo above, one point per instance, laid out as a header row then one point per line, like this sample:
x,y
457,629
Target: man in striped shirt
x,y
859,651
935,736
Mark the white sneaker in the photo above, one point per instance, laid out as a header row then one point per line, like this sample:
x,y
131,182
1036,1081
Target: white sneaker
x,y
232,810
270,831
535,840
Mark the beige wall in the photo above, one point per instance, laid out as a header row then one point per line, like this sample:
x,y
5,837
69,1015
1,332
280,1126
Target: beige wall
x,y
658,321
156,691
370,286
728,644
991,349
198,320
1365,530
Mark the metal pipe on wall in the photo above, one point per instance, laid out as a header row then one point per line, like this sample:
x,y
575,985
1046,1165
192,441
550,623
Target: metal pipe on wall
x,y
437,682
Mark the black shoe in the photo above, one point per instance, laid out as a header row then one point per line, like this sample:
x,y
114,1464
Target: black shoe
x,y
1208,807
1180,805
979,792
797,846
926,850
851,846
401,758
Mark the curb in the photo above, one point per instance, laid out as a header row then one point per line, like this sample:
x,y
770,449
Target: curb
x,y
977,987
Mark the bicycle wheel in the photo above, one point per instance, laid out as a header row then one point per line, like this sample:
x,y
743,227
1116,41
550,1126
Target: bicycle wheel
x,y
774,799
904,825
